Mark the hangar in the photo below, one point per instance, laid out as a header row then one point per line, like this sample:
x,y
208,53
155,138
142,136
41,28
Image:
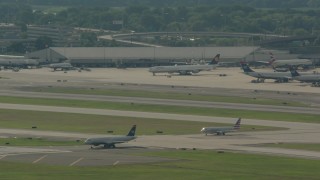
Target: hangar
x,y
137,56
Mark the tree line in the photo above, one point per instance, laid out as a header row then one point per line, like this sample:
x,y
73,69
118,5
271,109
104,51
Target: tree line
x,y
142,18
201,18
171,3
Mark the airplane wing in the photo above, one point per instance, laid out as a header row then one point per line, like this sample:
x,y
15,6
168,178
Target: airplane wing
x,y
116,142
263,62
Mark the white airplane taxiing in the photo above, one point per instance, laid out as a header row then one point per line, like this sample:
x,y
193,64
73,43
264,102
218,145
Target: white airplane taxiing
x,y
221,130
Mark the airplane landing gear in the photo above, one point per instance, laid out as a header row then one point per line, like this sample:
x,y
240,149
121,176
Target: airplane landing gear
x,y
109,146
259,80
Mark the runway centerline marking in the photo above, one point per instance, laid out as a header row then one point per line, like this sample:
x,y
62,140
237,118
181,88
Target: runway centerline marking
x,y
39,159
75,162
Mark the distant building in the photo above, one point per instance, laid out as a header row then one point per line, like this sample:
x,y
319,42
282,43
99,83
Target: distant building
x,y
61,36
9,33
137,56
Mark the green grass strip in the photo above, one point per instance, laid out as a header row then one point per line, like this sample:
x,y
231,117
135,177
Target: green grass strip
x,y
166,95
300,146
189,165
99,124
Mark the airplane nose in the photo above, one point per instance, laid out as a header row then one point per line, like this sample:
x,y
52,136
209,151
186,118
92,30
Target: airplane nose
x,y
87,141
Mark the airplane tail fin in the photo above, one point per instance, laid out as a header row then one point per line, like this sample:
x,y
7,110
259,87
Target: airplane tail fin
x,y
237,125
246,68
293,72
216,59
132,131
272,58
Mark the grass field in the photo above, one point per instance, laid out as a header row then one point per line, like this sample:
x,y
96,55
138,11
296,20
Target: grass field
x,y
189,165
102,124
292,117
300,146
165,95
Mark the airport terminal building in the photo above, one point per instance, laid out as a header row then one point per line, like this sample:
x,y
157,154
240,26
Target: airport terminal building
x,y
137,56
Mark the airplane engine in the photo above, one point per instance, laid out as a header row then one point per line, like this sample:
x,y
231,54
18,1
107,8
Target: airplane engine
x,y
183,72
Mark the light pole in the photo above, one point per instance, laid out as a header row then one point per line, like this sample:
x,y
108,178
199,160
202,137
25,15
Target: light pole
x,y
224,21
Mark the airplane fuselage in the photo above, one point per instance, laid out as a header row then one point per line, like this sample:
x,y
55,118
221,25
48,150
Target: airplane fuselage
x,y
221,130
271,75
308,78
181,69
18,62
291,62
217,130
109,140
62,66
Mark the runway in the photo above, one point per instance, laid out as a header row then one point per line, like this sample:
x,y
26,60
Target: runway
x,y
234,84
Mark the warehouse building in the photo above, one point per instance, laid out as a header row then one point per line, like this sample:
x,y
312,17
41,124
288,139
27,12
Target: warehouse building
x,y
137,56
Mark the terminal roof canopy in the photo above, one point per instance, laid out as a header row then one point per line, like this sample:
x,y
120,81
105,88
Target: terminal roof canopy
x,y
153,52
